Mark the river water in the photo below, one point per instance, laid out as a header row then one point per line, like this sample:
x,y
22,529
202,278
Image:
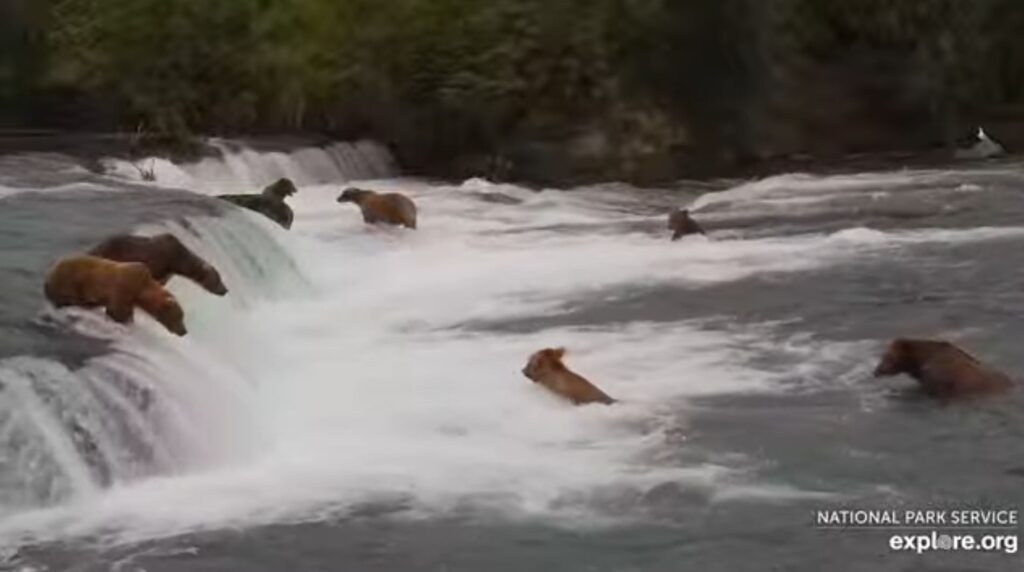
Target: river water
x,y
356,401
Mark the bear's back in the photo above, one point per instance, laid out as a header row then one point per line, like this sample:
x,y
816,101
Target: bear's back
x,y
395,207
573,386
160,253
946,370
80,278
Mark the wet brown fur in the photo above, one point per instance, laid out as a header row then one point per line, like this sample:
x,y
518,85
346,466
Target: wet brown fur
x,y
546,368
387,208
944,370
165,256
90,281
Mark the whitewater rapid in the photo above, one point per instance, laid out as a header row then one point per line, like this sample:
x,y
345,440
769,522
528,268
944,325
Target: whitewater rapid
x,y
355,366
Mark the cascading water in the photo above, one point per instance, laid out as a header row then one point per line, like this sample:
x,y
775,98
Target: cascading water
x,y
356,373
151,404
238,168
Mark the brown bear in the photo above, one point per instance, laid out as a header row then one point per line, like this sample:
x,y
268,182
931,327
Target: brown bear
x,y
681,224
90,281
546,368
943,370
387,208
269,203
164,255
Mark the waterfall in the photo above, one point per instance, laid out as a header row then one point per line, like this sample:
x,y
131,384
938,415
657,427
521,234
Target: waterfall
x,y
236,167
153,404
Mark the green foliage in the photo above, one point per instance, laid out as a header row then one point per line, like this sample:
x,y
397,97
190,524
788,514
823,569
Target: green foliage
x,y
443,77
21,54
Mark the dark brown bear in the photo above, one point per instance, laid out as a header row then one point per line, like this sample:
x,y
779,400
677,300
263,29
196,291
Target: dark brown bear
x,y
546,368
90,281
681,224
269,203
164,255
943,370
388,208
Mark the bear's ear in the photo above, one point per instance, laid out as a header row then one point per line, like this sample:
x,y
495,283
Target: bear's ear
x,y
558,352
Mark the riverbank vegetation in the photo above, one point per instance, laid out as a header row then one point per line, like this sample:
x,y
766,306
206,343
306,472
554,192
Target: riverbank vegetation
x,y
552,90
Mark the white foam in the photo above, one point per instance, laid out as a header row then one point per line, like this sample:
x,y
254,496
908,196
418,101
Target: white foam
x,y
65,188
860,235
239,168
802,188
353,378
969,188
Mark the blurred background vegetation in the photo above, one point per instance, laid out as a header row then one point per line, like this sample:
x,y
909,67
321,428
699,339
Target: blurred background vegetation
x,y
537,89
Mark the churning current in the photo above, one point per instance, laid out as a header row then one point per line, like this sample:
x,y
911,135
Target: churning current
x,y
357,402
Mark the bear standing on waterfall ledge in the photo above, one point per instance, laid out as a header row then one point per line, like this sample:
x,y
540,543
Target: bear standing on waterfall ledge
x,y
388,208
944,371
164,255
270,203
546,368
90,281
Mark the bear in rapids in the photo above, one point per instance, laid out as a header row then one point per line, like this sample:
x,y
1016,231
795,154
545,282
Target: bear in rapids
x,y
270,203
546,368
90,281
164,255
681,224
387,208
944,370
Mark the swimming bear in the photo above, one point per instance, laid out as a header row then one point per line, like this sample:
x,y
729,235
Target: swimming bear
x,y
387,208
681,224
164,255
546,368
269,203
944,370
90,281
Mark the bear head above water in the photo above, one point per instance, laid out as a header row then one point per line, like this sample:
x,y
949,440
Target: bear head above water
x,y
546,368
353,195
681,224
944,370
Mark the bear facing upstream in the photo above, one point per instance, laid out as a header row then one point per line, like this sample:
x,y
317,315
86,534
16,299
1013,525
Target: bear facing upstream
x,y
546,368
90,281
681,224
269,203
387,208
944,370
164,255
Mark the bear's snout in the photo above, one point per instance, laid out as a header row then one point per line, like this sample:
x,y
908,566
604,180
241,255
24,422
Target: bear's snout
x,y
218,288
885,368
